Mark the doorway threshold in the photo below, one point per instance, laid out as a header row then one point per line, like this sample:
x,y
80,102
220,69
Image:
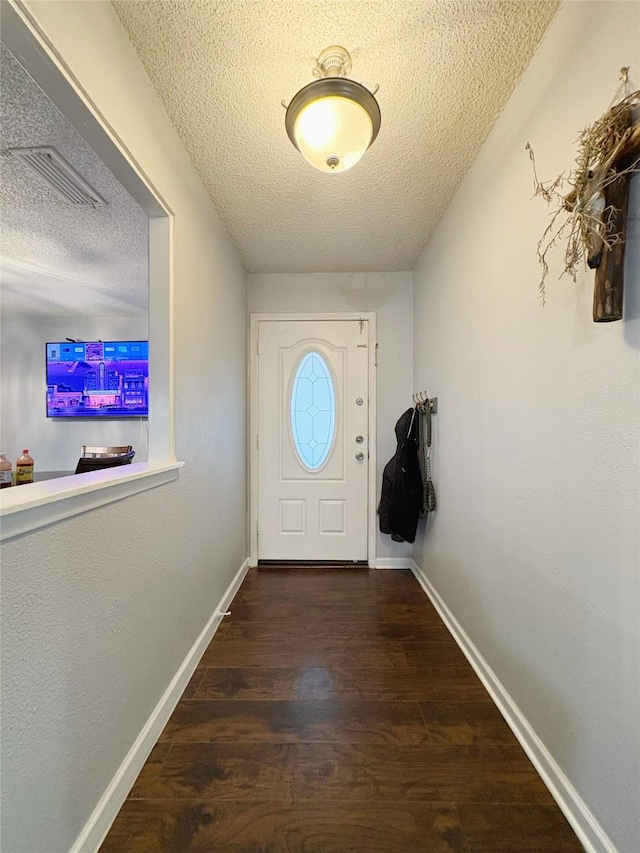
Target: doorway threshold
x,y
313,564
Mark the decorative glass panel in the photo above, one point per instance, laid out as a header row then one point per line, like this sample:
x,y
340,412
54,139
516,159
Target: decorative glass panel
x,y
313,411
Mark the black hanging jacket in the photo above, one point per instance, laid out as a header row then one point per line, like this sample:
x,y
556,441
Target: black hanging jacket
x,y
401,498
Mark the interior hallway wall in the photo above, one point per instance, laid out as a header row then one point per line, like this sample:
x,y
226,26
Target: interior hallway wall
x,y
390,295
535,543
56,444
100,610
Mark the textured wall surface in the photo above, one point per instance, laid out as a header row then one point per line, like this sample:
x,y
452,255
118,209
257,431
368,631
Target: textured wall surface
x,y
222,68
535,544
388,294
54,443
58,259
100,610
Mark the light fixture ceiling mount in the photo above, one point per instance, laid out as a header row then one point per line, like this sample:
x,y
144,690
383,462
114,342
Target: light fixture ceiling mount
x,y
333,120
334,61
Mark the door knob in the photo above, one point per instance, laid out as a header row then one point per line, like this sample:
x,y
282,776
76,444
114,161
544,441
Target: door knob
x,y
359,456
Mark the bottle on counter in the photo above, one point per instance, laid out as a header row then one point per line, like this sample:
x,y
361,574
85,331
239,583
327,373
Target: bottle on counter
x,y
6,473
24,469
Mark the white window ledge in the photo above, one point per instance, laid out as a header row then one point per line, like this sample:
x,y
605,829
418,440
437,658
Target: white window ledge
x,y
25,508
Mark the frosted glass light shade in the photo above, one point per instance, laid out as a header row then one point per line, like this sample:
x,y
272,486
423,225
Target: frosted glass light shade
x,y
332,122
333,133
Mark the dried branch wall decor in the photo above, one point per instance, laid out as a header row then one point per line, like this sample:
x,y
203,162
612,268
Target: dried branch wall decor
x,y
591,216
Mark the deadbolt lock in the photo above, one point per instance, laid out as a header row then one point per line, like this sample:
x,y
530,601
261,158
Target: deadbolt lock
x,y
359,439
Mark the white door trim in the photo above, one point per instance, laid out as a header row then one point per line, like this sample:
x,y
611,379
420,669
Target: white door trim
x,y
252,449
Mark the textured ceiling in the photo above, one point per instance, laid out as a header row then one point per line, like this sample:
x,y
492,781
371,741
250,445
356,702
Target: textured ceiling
x,y
445,69
58,259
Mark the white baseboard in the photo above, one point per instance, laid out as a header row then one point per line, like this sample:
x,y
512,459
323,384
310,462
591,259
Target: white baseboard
x,y
395,563
96,828
584,823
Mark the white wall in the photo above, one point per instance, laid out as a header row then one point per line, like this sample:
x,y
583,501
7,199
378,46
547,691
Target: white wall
x,y
56,444
535,544
390,295
100,610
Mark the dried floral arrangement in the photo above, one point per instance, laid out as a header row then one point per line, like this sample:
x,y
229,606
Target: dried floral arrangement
x,y
581,215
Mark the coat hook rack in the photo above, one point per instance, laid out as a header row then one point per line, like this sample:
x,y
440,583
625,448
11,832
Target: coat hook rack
x,y
422,399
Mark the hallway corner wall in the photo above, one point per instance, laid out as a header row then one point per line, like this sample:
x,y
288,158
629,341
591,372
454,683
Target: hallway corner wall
x,y
390,295
101,610
534,546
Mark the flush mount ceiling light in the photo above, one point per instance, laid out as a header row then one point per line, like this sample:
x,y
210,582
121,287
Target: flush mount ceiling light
x,y
333,120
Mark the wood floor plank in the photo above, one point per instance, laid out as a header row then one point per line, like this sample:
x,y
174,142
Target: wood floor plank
x,y
342,630
174,826
307,581
434,653
153,766
465,723
349,682
222,628
330,587
318,581
194,682
415,613
288,612
334,596
304,652
344,772
296,721
491,827
159,753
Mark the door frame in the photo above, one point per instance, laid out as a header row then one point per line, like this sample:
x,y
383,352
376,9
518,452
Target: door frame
x,y
252,434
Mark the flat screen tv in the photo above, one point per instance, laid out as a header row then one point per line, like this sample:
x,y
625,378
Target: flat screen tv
x,y
98,379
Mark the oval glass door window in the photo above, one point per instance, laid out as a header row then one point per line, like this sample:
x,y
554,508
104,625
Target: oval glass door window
x,y
313,411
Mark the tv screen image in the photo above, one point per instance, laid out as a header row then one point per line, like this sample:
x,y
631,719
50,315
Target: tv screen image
x,y
98,379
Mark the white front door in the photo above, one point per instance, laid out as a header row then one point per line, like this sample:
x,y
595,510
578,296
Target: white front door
x,y
312,439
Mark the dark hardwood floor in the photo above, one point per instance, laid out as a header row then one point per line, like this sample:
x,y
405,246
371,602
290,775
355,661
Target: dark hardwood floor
x,y
334,713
